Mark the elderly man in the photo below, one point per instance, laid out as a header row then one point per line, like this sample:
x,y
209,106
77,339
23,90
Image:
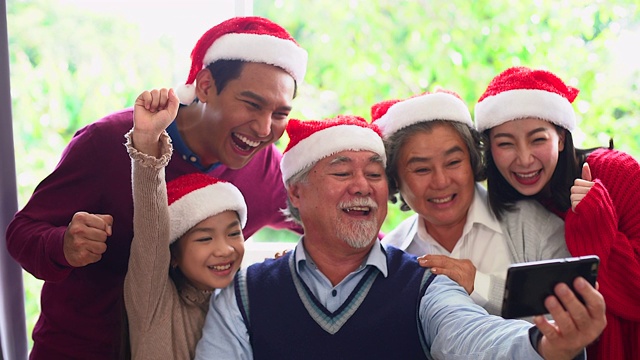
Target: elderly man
x,y
341,294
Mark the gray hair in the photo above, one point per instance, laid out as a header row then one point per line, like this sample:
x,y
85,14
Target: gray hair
x,y
291,213
470,136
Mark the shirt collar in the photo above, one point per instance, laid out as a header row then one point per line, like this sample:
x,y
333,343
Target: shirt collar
x,y
186,153
377,257
479,213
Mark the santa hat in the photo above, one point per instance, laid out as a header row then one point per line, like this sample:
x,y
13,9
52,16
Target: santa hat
x,y
311,141
393,115
195,197
251,39
520,92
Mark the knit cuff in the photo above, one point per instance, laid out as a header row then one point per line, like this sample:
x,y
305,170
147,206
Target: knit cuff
x,y
145,160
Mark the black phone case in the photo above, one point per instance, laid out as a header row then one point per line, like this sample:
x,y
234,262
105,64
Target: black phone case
x,y
528,284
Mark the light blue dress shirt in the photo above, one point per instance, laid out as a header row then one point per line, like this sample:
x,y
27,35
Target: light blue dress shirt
x,y
454,326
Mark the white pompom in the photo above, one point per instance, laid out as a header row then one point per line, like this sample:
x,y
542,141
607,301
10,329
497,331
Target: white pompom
x,y
186,93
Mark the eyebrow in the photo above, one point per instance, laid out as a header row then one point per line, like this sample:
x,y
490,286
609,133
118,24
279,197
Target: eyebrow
x,y
207,229
345,159
530,133
419,159
261,100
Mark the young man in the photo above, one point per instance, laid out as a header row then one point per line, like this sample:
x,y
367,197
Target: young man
x,y
76,230
341,294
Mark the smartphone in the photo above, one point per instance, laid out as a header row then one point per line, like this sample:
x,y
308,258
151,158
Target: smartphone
x,y
529,284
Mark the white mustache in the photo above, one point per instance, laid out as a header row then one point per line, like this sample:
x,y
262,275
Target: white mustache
x,y
359,202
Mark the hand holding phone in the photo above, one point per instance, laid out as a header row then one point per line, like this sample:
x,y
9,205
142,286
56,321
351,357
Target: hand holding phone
x,y
529,284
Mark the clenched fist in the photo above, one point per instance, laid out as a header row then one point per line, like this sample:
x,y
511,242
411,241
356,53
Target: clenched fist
x,y
86,238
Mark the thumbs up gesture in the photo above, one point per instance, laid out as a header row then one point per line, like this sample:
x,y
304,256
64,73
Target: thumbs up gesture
x,y
581,187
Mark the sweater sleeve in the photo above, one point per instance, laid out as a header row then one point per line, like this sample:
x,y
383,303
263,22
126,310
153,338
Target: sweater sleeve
x,y
147,281
35,236
607,223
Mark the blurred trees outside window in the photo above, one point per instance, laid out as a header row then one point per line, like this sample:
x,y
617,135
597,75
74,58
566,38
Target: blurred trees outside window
x,y
72,63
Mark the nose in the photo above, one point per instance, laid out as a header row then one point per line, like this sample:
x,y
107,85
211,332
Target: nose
x,y
261,126
360,185
525,157
221,249
439,180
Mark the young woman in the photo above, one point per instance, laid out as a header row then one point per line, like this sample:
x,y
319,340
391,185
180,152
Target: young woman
x,y
187,239
434,162
527,117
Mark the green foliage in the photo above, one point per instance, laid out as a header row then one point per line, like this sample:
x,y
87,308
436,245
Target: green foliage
x,y
362,52
69,68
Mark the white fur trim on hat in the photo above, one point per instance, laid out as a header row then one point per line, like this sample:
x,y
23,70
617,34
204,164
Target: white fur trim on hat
x,y
523,103
428,107
327,142
202,203
186,93
261,49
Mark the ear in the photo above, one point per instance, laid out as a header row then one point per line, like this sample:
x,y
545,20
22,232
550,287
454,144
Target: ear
x,y
205,85
561,138
293,191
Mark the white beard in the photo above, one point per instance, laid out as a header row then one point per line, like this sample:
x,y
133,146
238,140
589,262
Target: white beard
x,y
358,234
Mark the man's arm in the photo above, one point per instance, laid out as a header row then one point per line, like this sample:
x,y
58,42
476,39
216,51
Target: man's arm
x,y
445,311
36,235
225,334
455,327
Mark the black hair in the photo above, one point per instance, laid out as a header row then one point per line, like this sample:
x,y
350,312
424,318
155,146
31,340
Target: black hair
x,y
223,71
502,196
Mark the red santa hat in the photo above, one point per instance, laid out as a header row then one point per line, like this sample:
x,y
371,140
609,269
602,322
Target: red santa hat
x,y
312,140
393,115
195,197
520,92
251,39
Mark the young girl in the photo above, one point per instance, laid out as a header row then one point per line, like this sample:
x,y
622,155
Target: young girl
x,y
187,239
528,118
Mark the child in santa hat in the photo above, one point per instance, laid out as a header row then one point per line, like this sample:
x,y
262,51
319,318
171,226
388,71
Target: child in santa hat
x,y
76,230
527,117
187,239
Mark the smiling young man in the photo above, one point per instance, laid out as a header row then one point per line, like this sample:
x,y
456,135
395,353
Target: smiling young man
x,y
76,230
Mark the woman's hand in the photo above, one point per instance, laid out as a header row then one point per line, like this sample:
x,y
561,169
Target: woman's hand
x,y
581,187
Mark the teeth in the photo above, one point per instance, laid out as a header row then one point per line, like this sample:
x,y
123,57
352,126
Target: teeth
x,y
528,175
220,267
442,200
247,141
358,209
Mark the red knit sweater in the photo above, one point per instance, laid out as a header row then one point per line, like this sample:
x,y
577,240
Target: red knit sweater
x,y
607,223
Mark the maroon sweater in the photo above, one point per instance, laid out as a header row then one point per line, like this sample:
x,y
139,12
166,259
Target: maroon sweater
x,y
607,223
81,316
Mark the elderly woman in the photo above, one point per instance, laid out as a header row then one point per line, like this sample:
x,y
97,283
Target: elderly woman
x,y
434,161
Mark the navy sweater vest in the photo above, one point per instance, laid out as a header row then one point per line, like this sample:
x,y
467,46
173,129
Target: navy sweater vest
x,y
379,320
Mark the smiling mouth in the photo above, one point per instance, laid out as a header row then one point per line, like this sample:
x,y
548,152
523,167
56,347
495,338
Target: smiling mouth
x,y
358,210
244,143
442,200
527,175
220,267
